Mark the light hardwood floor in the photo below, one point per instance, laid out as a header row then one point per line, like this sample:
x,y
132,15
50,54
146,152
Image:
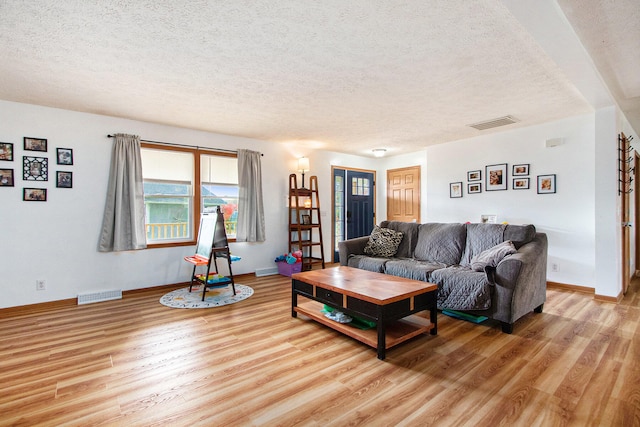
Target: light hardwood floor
x,y
135,362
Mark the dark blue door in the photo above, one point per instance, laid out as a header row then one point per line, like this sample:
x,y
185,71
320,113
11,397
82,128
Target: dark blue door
x,y
353,205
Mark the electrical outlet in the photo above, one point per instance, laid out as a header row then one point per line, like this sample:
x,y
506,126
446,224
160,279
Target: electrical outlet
x,y
554,267
41,285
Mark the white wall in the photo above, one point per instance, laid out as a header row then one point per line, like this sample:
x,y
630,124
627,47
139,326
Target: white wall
x,y
568,217
57,241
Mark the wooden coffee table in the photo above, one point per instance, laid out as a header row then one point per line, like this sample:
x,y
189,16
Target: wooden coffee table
x,y
392,302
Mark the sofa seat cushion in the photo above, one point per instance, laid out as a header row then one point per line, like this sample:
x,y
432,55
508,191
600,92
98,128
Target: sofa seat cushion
x,y
442,243
364,262
492,256
460,288
412,268
383,242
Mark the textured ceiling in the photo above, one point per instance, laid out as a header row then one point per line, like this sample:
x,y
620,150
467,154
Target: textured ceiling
x,y
342,76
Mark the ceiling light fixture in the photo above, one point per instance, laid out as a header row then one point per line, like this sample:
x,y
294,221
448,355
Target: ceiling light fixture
x,y
379,152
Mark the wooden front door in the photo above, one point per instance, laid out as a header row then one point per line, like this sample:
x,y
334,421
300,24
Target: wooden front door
x,y
403,194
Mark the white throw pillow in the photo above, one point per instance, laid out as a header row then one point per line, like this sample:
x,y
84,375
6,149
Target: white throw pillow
x,y
492,256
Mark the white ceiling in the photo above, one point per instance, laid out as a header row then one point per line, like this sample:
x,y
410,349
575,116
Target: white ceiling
x,y
345,76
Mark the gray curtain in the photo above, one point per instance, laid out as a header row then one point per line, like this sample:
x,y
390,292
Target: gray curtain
x,y
250,226
123,225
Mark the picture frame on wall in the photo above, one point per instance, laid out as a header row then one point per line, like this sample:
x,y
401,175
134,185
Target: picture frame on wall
x,y
34,194
474,188
455,190
64,156
35,144
474,175
547,184
496,177
35,168
489,219
6,178
64,179
306,219
520,170
6,151
520,184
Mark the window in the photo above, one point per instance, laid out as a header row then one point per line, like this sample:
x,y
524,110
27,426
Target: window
x,y
219,187
359,186
179,184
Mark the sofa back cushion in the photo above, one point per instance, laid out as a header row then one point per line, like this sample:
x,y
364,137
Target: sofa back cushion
x,y
520,234
481,237
440,243
409,232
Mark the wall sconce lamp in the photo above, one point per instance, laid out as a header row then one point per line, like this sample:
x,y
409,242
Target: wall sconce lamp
x,y
303,166
379,152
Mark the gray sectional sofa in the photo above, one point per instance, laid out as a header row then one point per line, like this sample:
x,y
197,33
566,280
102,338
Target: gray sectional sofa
x,y
493,270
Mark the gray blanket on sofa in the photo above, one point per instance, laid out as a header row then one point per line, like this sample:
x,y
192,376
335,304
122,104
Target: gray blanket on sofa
x,y
460,287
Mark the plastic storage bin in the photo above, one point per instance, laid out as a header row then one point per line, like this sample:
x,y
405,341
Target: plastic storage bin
x,y
288,269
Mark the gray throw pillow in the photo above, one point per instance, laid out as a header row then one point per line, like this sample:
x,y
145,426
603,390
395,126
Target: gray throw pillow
x,y
492,256
383,242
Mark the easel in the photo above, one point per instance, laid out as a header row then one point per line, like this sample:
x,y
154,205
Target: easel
x,y
212,244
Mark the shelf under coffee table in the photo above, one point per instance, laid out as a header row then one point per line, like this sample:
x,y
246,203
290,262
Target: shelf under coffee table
x,y
394,303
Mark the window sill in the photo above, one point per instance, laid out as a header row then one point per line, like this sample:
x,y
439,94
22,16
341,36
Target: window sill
x,y
174,244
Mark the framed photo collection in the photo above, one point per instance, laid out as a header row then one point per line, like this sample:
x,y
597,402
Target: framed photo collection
x,y
36,167
496,179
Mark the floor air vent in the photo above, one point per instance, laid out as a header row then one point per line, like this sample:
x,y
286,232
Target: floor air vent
x,y
494,123
260,272
88,298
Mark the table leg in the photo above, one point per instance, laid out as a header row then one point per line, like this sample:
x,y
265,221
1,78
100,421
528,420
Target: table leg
x,y
434,319
294,301
382,342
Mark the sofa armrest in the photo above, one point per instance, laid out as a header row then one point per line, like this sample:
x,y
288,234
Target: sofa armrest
x,y
350,247
521,280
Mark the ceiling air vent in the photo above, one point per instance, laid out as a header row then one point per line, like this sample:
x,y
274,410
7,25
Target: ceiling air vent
x,y
494,123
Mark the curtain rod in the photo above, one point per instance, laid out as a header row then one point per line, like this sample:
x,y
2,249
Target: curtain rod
x,y
173,144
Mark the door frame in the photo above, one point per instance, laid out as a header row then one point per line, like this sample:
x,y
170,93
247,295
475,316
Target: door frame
x,y
333,200
625,189
636,213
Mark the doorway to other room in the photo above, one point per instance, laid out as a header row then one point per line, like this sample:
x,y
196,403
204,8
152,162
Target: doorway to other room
x,y
353,205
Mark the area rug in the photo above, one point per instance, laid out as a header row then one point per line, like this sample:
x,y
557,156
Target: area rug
x,y
215,297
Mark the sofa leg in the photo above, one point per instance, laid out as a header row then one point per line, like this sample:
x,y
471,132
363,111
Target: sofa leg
x,y
538,309
507,328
